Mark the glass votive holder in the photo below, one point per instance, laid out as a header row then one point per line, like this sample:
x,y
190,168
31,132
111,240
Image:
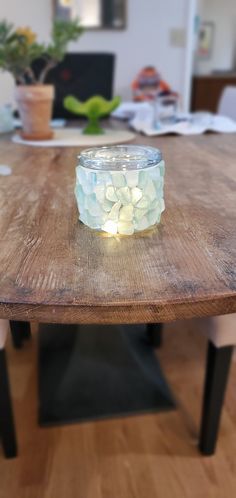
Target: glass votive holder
x,y
6,119
119,189
165,109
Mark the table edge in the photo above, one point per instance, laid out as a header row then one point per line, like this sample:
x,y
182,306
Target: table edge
x,y
129,313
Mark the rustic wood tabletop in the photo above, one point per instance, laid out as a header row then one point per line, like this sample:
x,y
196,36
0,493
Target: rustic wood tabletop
x,y
55,269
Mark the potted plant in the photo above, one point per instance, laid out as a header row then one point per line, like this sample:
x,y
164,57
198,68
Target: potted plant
x,y
19,48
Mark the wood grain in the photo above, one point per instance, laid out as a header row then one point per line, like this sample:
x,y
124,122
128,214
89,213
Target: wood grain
x,y
153,455
52,268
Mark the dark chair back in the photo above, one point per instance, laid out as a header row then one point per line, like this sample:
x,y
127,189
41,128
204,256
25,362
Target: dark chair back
x,y
81,75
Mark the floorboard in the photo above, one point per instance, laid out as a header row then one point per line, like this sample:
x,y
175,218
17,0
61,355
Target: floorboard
x,y
150,456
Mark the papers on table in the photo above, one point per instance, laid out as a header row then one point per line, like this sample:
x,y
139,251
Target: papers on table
x,y
128,110
186,125
141,119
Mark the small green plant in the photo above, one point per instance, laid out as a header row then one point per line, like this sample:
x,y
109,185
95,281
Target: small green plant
x,y
19,49
94,109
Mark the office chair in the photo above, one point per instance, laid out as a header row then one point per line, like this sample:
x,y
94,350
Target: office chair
x,y
7,426
227,103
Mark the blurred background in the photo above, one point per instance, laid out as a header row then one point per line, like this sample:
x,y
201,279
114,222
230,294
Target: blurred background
x,y
190,42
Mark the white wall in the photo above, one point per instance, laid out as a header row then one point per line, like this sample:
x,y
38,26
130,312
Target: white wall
x,y
223,14
145,41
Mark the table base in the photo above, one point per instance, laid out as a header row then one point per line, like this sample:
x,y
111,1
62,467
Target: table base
x,y
94,372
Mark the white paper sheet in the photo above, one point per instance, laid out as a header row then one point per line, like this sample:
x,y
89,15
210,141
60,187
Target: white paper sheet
x,y
191,124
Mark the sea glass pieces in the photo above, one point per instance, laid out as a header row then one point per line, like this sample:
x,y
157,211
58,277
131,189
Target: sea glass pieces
x,y
119,189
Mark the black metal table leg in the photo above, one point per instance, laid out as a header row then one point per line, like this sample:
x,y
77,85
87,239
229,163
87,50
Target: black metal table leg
x,y
7,428
154,331
20,331
217,370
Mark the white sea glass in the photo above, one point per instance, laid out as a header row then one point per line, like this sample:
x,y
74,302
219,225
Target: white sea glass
x,y
120,189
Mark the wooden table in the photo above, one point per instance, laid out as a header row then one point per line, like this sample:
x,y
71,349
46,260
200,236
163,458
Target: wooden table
x,y
54,269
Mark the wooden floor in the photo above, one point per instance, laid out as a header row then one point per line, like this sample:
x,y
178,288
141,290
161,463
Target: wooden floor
x,y
135,457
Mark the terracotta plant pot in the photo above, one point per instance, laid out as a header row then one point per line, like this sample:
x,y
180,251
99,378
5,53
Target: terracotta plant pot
x,y
35,109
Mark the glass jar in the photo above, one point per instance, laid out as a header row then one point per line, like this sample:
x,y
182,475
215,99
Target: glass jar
x,y
119,189
6,119
165,110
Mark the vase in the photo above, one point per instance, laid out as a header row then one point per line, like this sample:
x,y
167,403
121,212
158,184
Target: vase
x,y
35,109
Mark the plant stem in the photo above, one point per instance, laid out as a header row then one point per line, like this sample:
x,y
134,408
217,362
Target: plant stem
x,y
20,80
31,75
50,64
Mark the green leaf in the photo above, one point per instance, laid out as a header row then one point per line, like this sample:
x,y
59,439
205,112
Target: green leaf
x,y
17,55
6,29
63,32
